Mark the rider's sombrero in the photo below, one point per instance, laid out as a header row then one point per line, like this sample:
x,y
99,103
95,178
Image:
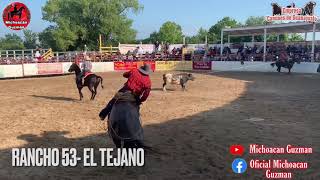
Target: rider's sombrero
x,y
145,69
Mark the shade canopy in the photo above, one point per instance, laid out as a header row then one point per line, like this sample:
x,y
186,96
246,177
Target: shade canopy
x,y
300,27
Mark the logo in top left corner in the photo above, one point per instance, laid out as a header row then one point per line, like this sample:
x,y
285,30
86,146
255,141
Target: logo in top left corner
x,y
16,16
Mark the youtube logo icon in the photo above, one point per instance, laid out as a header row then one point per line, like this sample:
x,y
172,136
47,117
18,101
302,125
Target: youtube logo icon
x,y
236,150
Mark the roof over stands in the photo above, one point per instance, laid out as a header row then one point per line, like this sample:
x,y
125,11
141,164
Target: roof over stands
x,y
297,27
300,27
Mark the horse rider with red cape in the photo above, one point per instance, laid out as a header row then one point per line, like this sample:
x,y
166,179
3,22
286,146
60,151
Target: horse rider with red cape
x,y
138,84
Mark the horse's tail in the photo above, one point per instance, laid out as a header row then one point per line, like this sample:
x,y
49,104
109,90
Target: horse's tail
x,y
272,64
101,81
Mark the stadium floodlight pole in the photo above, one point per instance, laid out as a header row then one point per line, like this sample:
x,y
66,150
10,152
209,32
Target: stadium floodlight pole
x,y
264,44
221,43
313,40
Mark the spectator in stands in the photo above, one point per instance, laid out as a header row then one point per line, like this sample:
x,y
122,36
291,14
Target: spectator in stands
x,y
37,55
8,61
156,46
226,50
135,53
174,51
166,48
255,49
140,50
119,55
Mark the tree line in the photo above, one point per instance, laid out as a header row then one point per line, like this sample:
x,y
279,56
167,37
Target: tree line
x,y
78,23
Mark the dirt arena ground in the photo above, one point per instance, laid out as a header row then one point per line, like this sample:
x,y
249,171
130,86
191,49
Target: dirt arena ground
x,y
193,130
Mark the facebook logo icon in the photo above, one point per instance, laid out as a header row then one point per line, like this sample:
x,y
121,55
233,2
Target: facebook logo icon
x,y
239,166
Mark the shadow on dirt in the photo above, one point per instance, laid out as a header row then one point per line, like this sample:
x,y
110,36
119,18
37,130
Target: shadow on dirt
x,y
160,89
55,98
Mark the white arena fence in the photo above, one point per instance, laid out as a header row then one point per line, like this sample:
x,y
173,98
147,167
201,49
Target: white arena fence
x,y
60,68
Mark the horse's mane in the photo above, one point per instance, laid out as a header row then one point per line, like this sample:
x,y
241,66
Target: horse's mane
x,y
275,4
311,2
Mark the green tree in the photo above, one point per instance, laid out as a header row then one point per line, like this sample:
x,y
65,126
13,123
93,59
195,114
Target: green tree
x,y
169,32
199,38
11,42
154,37
47,40
215,30
255,21
30,39
295,37
79,22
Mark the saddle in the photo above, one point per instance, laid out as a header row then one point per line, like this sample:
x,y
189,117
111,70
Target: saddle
x,y
125,96
86,74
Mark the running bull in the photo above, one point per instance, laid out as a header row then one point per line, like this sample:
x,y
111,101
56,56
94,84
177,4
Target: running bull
x,y
178,79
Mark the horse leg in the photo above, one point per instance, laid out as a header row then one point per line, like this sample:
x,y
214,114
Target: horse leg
x,y
164,86
95,88
183,87
91,90
80,93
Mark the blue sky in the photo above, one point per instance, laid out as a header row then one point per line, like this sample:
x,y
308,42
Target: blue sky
x,y
190,14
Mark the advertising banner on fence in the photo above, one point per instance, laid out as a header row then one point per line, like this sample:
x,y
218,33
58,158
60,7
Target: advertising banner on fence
x,y
173,65
201,65
128,65
124,66
144,48
49,68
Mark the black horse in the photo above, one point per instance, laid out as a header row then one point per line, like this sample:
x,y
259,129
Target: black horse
x,y
309,8
285,64
15,12
276,9
91,81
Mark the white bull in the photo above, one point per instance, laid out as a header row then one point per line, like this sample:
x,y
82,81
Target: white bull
x,y
178,79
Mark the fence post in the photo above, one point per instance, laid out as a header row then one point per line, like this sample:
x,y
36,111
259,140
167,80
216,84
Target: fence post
x,y
7,54
22,64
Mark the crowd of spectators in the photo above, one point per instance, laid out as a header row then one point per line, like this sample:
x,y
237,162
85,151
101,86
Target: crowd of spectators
x,y
236,52
274,51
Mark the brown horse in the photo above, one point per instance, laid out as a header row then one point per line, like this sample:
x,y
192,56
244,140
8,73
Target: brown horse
x,y
92,81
